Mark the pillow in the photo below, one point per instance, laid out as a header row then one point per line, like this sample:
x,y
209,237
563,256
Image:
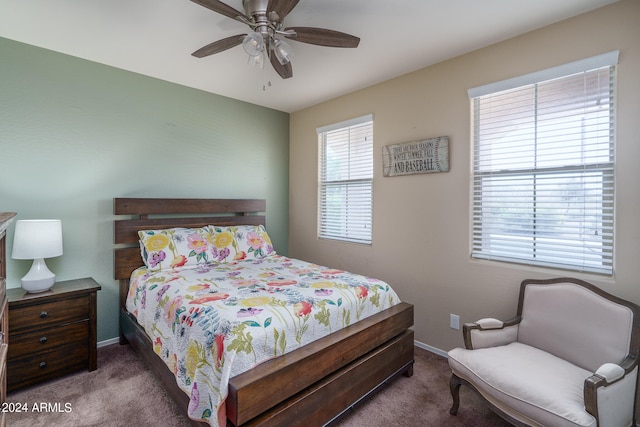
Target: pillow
x,y
223,245
235,243
253,241
174,247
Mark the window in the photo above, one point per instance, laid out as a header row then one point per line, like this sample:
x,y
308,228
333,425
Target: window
x,y
346,180
543,171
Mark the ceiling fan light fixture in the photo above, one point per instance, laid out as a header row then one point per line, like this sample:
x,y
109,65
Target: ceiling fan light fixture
x,y
283,51
258,60
253,44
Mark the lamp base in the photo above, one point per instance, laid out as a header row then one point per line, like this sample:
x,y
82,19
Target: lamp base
x,y
39,278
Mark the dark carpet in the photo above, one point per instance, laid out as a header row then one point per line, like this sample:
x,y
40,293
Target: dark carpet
x,y
122,392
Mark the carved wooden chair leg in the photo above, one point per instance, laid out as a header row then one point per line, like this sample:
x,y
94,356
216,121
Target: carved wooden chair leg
x,y
454,386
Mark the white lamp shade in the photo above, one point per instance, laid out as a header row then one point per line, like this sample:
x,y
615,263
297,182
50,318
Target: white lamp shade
x,y
37,238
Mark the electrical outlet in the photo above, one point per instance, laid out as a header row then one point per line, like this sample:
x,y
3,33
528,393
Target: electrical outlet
x,y
454,321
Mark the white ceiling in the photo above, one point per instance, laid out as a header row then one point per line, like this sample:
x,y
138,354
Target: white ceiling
x,y
156,38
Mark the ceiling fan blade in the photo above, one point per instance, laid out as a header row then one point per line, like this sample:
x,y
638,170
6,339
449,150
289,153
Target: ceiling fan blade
x,y
219,46
285,71
322,37
222,8
281,7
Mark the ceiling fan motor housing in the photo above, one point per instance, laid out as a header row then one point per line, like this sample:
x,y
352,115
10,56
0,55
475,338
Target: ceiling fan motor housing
x,y
255,7
256,10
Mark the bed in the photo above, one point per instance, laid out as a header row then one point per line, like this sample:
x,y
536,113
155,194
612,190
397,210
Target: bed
x,y
314,384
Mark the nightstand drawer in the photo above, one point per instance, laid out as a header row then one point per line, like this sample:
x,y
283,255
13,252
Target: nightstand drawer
x,y
46,365
42,340
48,314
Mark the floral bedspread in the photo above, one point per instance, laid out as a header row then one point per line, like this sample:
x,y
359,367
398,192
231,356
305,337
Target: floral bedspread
x,y
214,321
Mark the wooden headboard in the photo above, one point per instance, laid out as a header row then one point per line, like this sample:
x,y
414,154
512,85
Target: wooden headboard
x,y
154,214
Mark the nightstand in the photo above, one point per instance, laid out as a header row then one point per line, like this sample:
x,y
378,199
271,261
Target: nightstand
x,y
51,333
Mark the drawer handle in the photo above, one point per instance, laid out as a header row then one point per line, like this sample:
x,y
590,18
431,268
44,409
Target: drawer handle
x,y
43,365
43,314
43,340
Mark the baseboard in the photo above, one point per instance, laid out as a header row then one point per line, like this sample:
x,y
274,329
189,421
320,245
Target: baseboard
x,y
432,349
110,341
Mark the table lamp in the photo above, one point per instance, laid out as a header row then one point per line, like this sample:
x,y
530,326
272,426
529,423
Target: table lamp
x,y
37,239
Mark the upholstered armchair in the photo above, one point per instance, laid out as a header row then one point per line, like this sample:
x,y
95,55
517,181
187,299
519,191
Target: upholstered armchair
x,y
569,358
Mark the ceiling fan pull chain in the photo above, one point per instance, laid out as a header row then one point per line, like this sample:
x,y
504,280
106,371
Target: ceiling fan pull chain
x,y
266,84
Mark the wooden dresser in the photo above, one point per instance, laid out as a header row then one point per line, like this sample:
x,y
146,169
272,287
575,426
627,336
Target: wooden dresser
x,y
51,333
5,219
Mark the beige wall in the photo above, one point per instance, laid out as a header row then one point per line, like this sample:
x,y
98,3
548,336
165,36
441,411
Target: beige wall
x,y
421,222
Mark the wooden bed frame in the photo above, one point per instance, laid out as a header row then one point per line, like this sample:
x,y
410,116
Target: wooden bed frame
x,y
313,385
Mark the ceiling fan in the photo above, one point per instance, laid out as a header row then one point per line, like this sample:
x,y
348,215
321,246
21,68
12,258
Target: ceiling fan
x,y
265,41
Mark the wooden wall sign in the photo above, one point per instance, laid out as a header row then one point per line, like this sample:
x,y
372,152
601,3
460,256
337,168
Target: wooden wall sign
x,y
425,156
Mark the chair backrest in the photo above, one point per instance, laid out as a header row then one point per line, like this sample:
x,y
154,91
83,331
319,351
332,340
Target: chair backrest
x,y
578,322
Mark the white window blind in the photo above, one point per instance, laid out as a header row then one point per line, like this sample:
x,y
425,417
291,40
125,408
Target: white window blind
x,y
543,171
346,180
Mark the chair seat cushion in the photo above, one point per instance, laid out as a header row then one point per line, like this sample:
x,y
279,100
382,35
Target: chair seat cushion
x,y
537,385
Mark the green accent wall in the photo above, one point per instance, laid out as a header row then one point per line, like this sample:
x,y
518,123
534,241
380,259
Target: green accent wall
x,y
74,134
